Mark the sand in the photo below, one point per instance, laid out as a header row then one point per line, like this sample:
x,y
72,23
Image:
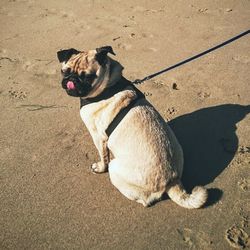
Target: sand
x,y
49,199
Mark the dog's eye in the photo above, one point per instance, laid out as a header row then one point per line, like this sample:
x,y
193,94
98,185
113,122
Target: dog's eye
x,y
67,71
82,75
90,77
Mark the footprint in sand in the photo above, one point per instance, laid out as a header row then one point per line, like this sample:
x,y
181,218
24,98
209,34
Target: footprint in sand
x,y
244,218
69,139
170,113
17,94
244,150
124,46
147,93
237,237
39,67
244,184
243,156
158,83
204,95
241,58
203,10
195,240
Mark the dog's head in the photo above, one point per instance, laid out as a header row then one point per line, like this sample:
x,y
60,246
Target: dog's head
x,y
87,73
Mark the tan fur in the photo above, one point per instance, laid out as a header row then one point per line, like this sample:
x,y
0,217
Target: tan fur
x,y
148,159
179,195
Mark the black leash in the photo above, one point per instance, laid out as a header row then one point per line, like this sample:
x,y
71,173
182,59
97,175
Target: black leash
x,y
139,81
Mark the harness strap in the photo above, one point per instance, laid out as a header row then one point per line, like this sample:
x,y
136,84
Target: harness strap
x,y
123,84
112,126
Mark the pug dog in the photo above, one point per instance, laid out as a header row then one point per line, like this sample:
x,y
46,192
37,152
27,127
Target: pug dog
x,y
147,160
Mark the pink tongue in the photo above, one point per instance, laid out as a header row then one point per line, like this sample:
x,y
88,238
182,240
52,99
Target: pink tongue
x,y
70,85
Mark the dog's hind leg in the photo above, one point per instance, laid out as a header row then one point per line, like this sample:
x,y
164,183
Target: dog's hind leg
x,y
131,190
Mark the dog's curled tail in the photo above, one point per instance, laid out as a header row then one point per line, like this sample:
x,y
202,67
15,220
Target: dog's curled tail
x,y
178,194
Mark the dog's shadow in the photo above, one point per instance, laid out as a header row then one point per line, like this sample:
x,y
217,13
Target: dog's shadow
x,y
209,141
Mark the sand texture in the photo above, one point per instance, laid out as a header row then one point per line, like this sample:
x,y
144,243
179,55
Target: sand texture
x,y
49,199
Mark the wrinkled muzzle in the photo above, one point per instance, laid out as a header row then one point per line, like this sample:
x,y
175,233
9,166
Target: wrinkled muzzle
x,y
75,85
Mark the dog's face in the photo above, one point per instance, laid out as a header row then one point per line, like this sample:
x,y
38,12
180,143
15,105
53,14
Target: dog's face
x,y
84,72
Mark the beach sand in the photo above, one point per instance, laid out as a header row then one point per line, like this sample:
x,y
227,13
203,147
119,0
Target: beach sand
x,y
49,199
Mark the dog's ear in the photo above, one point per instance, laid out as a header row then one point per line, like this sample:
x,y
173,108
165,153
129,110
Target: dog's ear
x,y
64,55
102,52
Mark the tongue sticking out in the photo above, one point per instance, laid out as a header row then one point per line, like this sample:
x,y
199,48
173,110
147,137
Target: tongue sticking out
x,y
70,85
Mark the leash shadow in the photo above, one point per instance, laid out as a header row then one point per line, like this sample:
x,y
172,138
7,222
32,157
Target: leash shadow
x,y
209,141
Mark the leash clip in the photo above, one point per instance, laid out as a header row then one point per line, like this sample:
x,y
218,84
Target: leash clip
x,y
140,81
137,81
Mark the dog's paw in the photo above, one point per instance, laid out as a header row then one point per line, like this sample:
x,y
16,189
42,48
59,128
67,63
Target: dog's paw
x,y
99,167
